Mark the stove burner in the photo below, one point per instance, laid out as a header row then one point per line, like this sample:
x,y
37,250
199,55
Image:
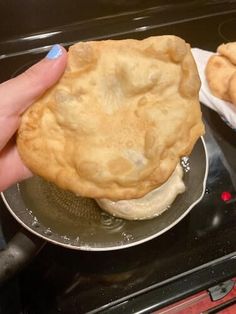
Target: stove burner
x,y
226,30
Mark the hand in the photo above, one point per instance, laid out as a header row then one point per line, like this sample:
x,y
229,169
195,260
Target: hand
x,y
16,95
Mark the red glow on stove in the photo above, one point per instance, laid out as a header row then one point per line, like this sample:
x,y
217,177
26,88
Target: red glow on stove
x,y
226,196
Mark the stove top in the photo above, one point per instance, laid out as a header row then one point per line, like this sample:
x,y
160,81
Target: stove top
x,y
200,250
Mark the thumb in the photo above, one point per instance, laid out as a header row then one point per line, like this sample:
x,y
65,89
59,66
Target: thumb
x,y
17,94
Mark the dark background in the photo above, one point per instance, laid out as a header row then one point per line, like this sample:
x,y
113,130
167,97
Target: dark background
x,y
30,16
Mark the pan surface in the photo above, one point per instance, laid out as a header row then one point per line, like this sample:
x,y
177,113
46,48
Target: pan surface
x,y
75,222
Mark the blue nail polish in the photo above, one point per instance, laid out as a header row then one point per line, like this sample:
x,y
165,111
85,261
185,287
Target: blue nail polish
x,y
55,52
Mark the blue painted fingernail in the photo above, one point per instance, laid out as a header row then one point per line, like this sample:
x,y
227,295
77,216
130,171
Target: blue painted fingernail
x,y
55,52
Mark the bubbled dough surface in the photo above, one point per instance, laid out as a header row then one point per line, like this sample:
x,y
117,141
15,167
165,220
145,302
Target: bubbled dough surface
x,y
119,119
221,72
229,51
152,204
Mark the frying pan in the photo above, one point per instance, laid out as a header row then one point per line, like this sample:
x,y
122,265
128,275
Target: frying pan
x,y
48,213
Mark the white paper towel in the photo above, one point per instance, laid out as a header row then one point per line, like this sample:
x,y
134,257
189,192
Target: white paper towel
x,y
225,109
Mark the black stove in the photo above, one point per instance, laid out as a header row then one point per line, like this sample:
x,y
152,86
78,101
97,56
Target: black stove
x,y
200,251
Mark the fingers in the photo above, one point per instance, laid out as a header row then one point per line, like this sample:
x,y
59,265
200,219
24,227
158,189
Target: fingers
x,y
17,94
11,166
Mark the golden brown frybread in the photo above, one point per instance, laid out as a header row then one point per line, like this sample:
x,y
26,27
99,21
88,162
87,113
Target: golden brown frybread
x,y
119,119
221,72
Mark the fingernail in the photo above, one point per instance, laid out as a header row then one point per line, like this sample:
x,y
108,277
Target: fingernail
x,y
55,52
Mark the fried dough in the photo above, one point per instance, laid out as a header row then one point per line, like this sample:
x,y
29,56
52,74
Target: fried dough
x,y
220,70
218,73
229,51
152,204
232,88
119,119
